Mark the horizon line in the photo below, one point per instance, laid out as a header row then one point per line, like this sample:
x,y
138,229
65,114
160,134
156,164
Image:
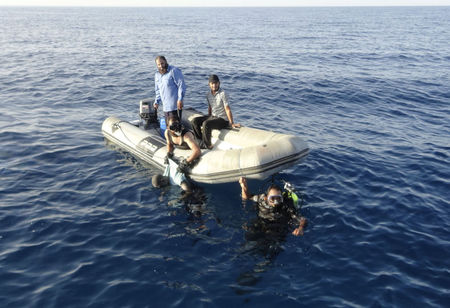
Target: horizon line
x,y
222,6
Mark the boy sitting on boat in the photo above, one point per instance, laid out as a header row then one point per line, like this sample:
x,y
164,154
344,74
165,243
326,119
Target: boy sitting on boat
x,y
219,113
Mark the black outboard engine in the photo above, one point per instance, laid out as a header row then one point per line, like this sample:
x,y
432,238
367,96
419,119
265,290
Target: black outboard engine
x,y
147,112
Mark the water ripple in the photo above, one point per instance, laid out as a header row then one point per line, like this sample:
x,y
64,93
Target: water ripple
x,y
82,226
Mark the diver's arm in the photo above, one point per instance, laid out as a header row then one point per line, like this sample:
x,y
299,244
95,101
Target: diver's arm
x,y
299,230
292,212
246,195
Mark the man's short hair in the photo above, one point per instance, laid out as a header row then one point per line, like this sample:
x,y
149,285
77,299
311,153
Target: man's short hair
x,y
273,186
213,78
160,58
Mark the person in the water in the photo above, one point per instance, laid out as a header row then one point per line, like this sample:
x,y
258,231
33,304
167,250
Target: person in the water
x,y
161,180
192,196
274,210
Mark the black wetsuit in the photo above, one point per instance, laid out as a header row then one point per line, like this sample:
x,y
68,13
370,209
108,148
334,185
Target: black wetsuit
x,y
282,213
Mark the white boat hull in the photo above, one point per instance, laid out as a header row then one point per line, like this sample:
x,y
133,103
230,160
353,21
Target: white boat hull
x,y
246,151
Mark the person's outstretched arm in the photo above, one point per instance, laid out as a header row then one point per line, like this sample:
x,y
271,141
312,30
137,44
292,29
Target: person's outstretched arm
x,y
246,195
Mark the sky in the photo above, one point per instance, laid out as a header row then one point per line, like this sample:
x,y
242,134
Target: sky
x,y
224,3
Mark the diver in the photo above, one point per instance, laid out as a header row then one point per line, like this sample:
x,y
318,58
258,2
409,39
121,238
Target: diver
x,y
265,234
178,136
276,210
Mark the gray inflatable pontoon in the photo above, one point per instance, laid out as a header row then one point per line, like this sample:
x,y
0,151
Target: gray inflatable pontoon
x,y
245,151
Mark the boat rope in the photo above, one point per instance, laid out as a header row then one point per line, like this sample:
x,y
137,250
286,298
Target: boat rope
x,y
117,126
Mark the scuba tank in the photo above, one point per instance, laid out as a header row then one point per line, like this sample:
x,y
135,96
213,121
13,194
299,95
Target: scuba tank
x,y
290,194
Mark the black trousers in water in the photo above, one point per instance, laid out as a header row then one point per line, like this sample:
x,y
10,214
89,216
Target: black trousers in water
x,y
207,123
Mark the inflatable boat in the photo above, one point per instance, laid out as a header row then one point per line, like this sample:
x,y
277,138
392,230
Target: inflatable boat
x,y
244,151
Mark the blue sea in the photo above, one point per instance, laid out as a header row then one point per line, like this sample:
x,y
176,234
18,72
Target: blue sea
x,y
367,88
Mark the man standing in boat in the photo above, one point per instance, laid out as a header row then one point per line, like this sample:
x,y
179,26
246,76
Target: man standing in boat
x,y
219,113
169,88
178,136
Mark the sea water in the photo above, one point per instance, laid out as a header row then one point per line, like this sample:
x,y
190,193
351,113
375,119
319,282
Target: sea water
x,y
367,88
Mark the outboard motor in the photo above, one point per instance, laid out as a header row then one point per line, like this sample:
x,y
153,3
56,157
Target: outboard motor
x,y
147,112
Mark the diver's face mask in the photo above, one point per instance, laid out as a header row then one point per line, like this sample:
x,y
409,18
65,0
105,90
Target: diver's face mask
x,y
275,199
176,128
